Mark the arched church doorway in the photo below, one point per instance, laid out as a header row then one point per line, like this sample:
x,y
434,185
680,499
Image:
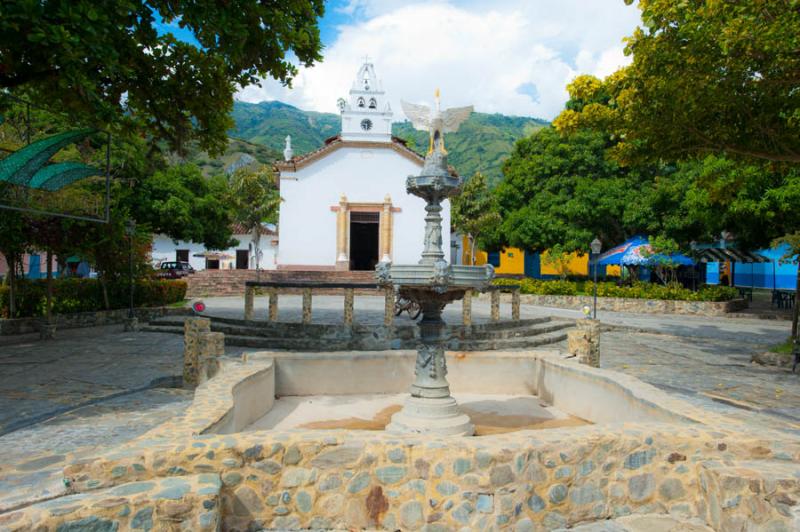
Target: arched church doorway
x,y
364,236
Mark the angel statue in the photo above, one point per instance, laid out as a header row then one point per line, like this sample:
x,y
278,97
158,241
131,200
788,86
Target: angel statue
x,y
436,121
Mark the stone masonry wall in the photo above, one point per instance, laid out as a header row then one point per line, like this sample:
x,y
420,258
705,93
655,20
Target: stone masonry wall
x,y
546,480
79,320
531,480
646,306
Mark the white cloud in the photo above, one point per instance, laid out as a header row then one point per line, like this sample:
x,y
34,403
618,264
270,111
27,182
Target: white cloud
x,y
511,57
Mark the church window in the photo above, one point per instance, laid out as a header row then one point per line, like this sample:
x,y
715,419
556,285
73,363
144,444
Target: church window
x,y
373,103
361,102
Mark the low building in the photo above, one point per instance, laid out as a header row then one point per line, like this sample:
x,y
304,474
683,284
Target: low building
x,y
240,257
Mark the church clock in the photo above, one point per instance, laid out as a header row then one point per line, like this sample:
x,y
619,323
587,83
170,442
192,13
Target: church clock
x,y
366,124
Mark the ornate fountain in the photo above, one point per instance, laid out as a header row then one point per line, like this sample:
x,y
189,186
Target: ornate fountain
x,y
433,283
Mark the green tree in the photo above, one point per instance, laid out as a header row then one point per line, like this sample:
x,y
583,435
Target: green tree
x,y
713,85
564,191
706,77
14,241
183,204
104,62
256,201
474,211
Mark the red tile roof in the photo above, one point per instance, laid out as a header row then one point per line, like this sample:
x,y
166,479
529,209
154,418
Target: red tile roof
x,y
240,229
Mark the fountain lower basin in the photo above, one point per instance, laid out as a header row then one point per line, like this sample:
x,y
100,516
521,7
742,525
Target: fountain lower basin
x,y
490,413
500,391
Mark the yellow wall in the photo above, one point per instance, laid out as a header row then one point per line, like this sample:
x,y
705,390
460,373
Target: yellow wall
x,y
573,264
512,262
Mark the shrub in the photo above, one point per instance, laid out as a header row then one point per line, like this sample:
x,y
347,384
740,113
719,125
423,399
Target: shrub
x,y
84,295
609,289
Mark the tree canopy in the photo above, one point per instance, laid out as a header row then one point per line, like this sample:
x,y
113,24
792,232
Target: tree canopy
x,y
706,77
474,211
105,62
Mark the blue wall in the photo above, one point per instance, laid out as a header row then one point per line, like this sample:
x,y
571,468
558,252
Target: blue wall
x,y
782,277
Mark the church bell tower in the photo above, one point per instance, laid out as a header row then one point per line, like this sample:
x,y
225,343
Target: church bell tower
x,y
366,114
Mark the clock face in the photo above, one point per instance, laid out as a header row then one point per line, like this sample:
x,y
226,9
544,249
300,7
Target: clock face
x,y
366,124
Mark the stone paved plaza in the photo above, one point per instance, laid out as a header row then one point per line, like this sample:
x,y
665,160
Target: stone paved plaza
x,y
91,389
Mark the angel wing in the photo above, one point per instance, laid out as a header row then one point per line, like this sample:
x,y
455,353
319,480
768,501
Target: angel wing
x,y
420,115
454,117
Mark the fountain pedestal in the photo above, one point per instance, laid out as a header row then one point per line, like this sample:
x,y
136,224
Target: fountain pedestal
x,y
432,283
431,408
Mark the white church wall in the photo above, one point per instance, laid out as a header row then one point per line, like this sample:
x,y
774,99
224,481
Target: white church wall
x,y
308,226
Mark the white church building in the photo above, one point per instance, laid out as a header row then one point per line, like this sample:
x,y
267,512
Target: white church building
x,y
345,205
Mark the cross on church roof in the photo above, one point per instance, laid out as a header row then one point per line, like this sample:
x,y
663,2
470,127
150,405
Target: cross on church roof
x,y
366,59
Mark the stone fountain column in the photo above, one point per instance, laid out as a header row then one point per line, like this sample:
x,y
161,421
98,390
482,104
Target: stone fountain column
x,y
431,409
432,283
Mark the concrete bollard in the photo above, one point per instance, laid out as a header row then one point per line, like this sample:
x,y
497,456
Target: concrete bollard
x,y
192,329
211,348
388,306
348,306
47,331
584,342
515,303
249,299
495,297
306,305
131,324
273,304
466,309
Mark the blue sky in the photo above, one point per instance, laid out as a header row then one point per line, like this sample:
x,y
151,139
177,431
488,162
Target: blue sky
x,y
514,57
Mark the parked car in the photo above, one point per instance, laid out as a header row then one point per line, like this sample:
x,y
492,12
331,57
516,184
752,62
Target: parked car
x,y
174,270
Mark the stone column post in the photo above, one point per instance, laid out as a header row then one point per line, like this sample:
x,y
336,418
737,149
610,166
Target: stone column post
x,y
386,230
306,305
249,298
584,342
466,309
192,329
495,295
342,261
388,306
348,306
273,304
515,304
212,347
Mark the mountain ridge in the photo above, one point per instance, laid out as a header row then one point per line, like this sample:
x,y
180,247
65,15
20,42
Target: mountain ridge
x,y
481,144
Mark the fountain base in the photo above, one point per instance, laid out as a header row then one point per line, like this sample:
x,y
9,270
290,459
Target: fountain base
x,y
436,416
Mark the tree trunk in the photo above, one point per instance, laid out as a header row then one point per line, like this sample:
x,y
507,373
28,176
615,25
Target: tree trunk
x,y
12,293
472,250
795,310
257,250
104,287
49,312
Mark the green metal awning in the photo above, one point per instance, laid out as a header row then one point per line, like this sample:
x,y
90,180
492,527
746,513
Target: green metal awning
x,y
28,166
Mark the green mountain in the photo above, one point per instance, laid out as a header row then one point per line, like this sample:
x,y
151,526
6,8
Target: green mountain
x,y
237,153
481,144
268,123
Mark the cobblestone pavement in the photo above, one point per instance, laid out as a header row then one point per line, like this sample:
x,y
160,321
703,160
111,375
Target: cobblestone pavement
x,y
88,390
711,372
92,389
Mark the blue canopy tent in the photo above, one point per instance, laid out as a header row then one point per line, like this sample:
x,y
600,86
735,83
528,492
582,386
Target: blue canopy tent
x,y
637,252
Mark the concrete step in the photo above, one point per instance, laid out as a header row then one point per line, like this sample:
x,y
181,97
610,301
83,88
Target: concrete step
x,y
520,332
280,330
527,342
253,337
